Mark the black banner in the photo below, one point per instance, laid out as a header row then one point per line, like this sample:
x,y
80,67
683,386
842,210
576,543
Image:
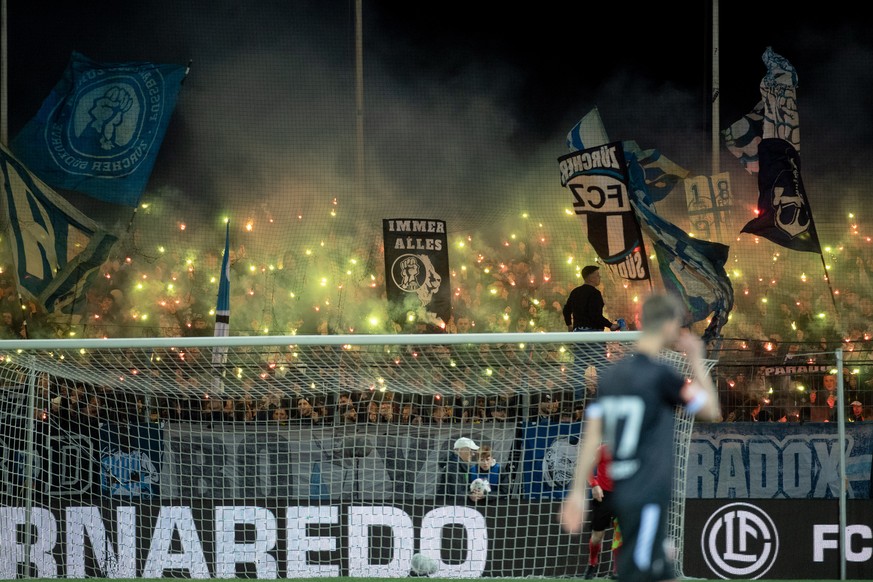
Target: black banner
x,y
275,538
784,216
598,179
781,538
417,276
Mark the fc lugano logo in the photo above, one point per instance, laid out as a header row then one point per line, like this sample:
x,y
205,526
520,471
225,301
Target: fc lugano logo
x,y
740,541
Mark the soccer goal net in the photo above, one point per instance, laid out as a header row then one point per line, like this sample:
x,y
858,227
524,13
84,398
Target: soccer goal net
x,y
312,456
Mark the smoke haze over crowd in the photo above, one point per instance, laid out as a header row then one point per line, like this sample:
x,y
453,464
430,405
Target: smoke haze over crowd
x,y
466,111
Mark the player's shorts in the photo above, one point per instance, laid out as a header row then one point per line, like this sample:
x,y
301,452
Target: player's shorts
x,y
643,557
602,512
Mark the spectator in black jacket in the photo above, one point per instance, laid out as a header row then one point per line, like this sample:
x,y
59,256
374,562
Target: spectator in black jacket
x,y
583,310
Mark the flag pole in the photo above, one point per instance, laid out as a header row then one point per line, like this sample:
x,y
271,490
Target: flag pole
x,y
4,120
222,315
827,275
715,138
359,94
4,78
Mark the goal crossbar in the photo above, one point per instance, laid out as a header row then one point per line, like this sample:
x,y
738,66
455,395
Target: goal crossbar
x,y
322,340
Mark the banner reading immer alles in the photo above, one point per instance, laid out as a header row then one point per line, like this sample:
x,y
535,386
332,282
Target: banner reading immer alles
x,y
417,276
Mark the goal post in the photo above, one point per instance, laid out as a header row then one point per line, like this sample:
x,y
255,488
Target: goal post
x,y
299,456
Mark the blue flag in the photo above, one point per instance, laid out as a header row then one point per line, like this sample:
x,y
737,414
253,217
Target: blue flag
x,y
784,216
222,311
692,269
99,130
588,133
56,249
549,458
662,174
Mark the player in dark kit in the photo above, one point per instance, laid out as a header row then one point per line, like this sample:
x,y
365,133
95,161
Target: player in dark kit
x,y
634,417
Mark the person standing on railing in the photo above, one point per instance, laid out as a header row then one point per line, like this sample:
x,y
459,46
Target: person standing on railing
x,y
583,310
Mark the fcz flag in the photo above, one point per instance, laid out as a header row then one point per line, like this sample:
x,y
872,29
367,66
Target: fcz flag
x,y
56,249
784,216
99,130
598,179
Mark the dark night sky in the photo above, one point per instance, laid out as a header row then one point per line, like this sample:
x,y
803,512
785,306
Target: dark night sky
x,y
550,58
645,65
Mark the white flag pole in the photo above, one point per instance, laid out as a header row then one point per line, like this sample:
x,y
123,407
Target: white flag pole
x,y
359,94
4,78
716,136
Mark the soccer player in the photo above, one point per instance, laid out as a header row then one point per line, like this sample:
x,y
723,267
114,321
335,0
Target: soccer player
x,y
634,416
602,513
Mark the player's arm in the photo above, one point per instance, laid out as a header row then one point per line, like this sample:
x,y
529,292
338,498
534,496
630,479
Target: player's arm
x,y
699,395
574,506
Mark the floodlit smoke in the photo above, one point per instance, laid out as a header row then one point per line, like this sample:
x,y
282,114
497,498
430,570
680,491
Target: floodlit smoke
x,y
265,135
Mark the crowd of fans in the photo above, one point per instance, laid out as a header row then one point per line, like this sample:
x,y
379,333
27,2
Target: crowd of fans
x,y
743,399
799,398
76,403
508,283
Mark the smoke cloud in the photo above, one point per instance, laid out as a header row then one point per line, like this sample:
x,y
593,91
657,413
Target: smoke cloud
x,y
264,135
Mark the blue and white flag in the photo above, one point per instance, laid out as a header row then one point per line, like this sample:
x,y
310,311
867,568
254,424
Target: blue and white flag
x,y
779,96
744,135
56,249
775,115
589,132
692,269
222,312
784,215
662,174
549,458
595,173
99,130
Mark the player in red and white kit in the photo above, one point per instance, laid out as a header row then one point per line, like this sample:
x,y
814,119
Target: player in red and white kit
x,y
602,513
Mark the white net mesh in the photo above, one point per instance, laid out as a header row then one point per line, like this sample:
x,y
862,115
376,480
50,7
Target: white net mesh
x,y
299,459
